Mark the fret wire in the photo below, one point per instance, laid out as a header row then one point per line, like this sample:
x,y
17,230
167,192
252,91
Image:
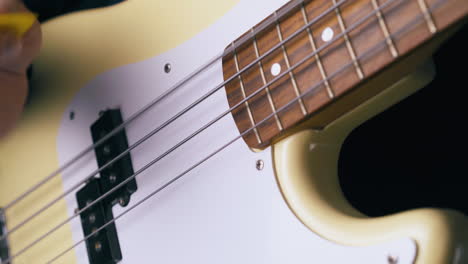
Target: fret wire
x,y
330,92
291,74
267,88
309,90
179,176
348,42
386,32
244,133
427,16
247,105
144,109
135,116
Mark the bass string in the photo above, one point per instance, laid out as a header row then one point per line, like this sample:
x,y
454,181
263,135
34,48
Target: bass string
x,y
178,115
165,154
173,148
309,91
312,89
166,94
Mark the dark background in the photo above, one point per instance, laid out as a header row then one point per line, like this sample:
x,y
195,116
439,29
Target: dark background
x,y
415,154
412,155
50,8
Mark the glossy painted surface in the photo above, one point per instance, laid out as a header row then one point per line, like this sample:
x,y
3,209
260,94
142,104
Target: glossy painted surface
x,y
306,166
77,48
225,211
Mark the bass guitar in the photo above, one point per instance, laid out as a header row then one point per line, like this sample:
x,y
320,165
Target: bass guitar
x,y
209,132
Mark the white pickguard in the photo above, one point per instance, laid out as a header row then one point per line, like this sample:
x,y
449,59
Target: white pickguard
x,y
225,211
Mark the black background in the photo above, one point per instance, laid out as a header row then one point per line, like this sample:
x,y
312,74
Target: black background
x,y
415,154
50,8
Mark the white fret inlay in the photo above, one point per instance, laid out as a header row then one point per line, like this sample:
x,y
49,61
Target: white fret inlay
x,y
348,42
291,74
330,92
275,69
247,105
267,89
327,34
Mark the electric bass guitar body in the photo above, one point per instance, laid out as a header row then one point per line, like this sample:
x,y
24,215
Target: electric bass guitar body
x,y
192,189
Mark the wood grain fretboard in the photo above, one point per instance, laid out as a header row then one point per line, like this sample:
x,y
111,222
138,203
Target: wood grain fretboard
x,y
309,55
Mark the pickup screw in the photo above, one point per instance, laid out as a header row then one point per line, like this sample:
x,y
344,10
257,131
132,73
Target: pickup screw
x,y
94,231
92,218
106,150
98,246
167,68
112,178
260,164
392,259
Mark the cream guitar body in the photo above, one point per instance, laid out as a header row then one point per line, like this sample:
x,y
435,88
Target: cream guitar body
x,y
279,205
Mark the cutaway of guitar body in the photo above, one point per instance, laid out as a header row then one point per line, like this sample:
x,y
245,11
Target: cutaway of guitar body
x,y
227,210
306,169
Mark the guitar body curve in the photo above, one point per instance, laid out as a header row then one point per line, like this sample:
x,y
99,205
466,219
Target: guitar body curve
x,y
225,210
307,190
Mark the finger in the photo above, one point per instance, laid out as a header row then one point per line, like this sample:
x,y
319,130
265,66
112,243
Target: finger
x,y
7,38
9,6
10,51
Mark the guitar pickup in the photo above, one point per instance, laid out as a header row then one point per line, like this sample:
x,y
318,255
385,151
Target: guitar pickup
x,y
4,246
103,247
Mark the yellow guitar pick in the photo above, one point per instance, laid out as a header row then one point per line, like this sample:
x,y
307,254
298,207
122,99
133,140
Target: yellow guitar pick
x,y
18,23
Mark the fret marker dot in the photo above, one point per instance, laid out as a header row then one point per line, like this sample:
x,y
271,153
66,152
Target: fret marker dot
x,y
327,34
275,69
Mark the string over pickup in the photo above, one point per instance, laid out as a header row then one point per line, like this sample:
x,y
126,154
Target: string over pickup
x,y
4,245
101,193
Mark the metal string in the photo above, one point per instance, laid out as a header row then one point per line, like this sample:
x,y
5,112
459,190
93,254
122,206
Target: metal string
x,y
311,90
152,104
156,130
229,143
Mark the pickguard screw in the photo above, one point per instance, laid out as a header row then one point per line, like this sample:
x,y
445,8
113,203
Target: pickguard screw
x,y
259,165
392,259
72,115
98,246
167,68
112,178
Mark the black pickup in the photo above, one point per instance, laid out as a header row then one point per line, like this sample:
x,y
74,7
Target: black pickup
x,y
103,247
4,246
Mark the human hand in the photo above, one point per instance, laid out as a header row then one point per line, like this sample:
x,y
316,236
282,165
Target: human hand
x,y
16,54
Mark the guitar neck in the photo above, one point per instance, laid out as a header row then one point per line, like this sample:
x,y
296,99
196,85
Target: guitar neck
x,y
310,59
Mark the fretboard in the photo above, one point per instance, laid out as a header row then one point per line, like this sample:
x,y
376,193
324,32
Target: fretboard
x,y
307,60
